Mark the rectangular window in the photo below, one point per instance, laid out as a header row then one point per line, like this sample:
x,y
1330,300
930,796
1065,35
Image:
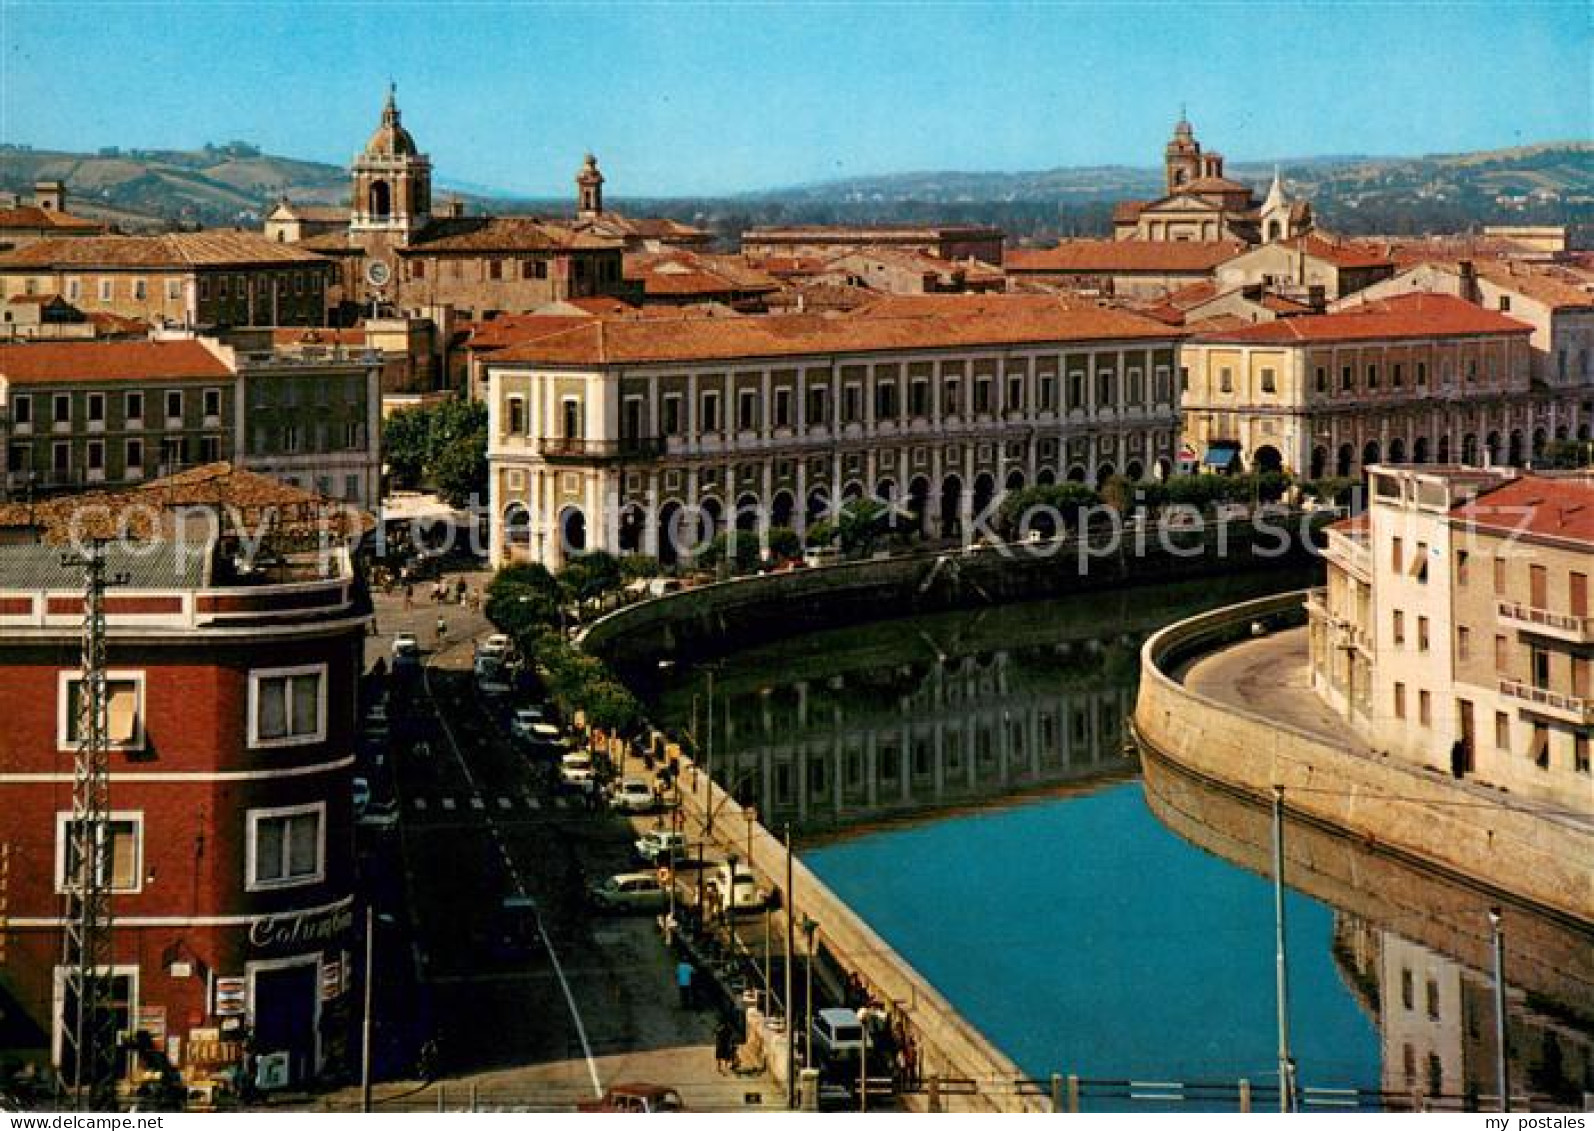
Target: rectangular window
x,y
286,847
1580,753
1269,381
135,456
1372,376
710,417
61,404
1463,643
96,403
290,438
1462,558
495,269
1400,700
212,404
747,410
1397,376
117,853
124,710
1502,655
1499,577
1015,394
209,449
982,395
1049,394
1422,374
1419,563
105,290
517,416
951,396
919,397
1502,730
631,418
1538,586
1320,379
1399,626
174,406
134,407
1345,380
288,706
22,410
1422,634
851,404
783,407
1395,554
1539,661
95,455
1539,746
1226,380
1424,708
1577,591
885,400
818,407
672,414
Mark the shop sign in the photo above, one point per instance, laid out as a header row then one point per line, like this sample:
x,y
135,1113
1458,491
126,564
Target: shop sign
x,y
302,929
230,996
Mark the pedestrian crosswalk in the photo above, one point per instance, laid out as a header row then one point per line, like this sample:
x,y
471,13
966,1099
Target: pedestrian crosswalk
x,y
476,802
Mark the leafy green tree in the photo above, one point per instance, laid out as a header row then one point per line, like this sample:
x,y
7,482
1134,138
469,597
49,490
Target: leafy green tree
x,y
443,446
591,575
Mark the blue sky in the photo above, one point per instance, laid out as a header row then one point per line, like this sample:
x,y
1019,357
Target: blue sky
x,y
682,98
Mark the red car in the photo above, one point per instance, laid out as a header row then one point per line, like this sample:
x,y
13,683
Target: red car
x,y
641,1099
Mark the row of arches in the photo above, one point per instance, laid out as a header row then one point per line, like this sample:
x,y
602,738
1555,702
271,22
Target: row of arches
x,y
920,506
1512,449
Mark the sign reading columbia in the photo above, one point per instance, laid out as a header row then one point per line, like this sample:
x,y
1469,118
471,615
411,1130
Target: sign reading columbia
x,y
276,932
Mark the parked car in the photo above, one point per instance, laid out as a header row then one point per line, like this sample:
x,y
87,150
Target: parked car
x,y
631,891
575,770
519,928
405,644
633,795
738,892
661,846
495,647
522,722
837,1033
644,1099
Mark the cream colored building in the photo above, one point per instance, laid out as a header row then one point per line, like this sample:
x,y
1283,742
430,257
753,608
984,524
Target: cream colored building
x,y
1454,628
1416,378
650,435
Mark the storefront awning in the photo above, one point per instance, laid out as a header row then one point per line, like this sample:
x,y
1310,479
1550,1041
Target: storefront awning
x,y
1221,455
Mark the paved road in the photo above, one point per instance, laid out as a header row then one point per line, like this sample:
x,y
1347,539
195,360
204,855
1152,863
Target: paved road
x,y
525,1026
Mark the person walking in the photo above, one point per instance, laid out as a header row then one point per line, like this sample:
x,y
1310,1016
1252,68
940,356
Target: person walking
x,y
683,982
724,1046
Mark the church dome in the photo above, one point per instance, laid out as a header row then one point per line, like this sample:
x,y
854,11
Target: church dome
x,y
391,139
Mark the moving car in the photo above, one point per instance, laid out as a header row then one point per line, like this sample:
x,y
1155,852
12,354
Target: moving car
x,y
633,795
631,891
643,1099
405,644
575,770
661,846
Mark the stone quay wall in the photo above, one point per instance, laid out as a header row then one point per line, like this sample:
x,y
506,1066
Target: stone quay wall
x,y
979,1076
1455,828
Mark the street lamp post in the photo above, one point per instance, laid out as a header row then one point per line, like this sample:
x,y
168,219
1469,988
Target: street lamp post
x,y
1504,1083
810,927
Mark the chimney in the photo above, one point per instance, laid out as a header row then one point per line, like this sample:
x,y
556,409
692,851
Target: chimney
x,y
1469,281
50,195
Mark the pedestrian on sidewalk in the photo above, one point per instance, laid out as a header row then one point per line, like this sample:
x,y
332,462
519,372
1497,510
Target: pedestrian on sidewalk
x,y
683,982
724,1046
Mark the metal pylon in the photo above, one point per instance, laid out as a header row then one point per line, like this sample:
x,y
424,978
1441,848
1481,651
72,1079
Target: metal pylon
x,y
88,1023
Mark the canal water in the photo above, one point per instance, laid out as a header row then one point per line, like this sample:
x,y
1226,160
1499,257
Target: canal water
x,y
962,780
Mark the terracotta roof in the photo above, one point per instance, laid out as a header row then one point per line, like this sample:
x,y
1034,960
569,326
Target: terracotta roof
x,y
514,329
868,233
110,325
1403,316
504,233
1127,211
987,305
318,336
605,341
681,273
787,266
172,250
600,305
1561,508
27,216
1338,252
1213,185
52,363
316,213
615,226
1109,257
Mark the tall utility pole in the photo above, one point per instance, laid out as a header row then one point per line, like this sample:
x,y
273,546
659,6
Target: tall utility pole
x,y
1504,1081
89,1023
1281,959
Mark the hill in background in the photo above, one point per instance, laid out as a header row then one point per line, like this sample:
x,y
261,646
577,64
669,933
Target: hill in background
x,y
1550,183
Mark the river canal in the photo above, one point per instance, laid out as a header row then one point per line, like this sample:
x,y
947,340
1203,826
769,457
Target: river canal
x,y
963,782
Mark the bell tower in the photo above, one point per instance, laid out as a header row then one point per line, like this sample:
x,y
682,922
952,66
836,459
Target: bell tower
x,y
589,190
1182,157
392,190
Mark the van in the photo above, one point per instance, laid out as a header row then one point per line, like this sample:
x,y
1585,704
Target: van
x,y
816,556
738,892
837,1033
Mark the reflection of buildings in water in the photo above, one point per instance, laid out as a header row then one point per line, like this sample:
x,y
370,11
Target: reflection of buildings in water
x,y
894,737
1436,1024
1429,988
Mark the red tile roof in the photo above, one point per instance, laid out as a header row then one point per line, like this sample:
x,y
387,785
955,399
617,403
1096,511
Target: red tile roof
x,y
1111,257
1554,507
1403,316
505,233
606,341
1338,252
51,363
31,216
174,250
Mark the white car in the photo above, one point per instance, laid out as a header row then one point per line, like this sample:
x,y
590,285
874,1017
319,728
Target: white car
x,y
526,718
738,892
405,644
633,795
496,646
661,846
575,770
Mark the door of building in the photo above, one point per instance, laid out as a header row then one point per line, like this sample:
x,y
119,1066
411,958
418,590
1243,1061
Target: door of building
x,y
286,1001
1468,732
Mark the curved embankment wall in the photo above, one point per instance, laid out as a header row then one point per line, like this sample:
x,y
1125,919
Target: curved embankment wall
x,y
728,615
1457,829
979,1076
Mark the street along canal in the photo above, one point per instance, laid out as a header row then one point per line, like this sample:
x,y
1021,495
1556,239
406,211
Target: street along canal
x,y
962,781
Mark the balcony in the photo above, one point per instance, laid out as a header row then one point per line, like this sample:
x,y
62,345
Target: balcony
x,y
558,449
1350,554
1542,622
1550,704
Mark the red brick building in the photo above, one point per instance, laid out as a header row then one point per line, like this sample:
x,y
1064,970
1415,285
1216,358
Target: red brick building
x,y
231,713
